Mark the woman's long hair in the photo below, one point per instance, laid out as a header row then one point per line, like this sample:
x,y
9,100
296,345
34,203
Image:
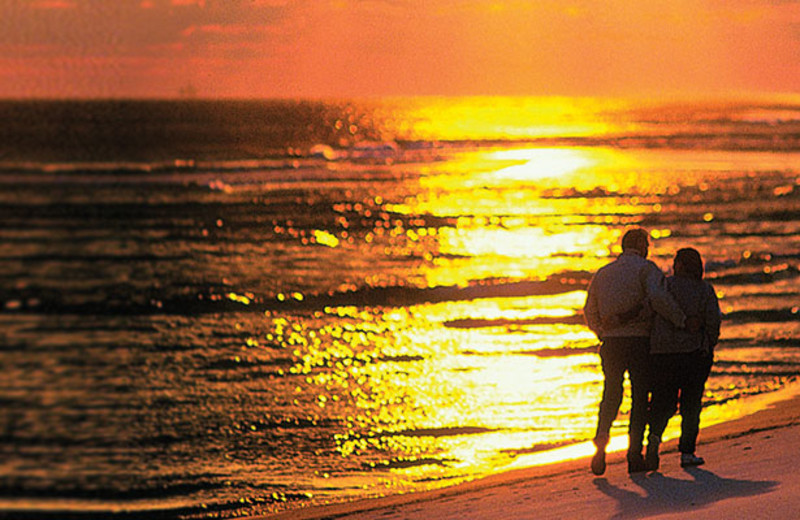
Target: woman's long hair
x,y
689,263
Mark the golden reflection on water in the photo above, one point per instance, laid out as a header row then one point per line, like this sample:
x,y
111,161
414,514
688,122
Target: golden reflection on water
x,y
503,118
451,390
466,387
429,397
543,163
505,225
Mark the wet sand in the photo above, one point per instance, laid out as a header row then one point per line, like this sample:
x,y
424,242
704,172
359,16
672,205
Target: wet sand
x,y
750,472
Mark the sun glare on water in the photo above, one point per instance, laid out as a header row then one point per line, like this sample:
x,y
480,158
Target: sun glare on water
x,y
542,163
508,118
501,371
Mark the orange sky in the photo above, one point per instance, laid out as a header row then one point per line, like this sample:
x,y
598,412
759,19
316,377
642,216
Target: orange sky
x,y
291,48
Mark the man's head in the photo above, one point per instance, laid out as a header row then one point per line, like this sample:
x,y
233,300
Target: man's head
x,y
636,241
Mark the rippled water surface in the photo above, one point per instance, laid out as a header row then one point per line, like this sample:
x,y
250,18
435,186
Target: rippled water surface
x,y
213,309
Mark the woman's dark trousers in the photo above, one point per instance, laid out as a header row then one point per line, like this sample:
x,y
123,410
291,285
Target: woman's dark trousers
x,y
679,380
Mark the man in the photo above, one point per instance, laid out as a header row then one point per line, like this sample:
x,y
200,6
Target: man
x,y
617,309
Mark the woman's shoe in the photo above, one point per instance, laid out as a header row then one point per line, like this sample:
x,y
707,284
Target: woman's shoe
x,y
636,463
651,460
690,459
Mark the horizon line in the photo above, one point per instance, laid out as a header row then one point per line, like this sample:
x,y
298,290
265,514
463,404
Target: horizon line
x,y
786,96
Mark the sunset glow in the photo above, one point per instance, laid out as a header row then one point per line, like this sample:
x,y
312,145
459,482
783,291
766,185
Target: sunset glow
x,y
289,48
264,255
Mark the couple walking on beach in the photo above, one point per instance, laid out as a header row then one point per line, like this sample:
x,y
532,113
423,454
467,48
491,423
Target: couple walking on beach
x,y
662,331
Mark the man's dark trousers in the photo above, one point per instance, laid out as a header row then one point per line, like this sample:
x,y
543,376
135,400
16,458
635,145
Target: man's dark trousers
x,y
620,355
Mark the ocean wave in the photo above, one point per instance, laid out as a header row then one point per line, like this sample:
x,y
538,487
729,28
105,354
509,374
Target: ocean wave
x,y
745,343
763,274
314,157
174,166
213,299
791,314
478,323
129,487
408,462
393,296
542,353
452,431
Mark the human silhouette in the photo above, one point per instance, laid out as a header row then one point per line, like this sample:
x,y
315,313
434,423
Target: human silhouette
x,y
616,310
681,359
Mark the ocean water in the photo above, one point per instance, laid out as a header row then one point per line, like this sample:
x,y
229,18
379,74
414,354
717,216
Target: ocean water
x,y
210,309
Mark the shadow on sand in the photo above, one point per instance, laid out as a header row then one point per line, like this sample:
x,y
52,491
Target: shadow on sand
x,y
671,495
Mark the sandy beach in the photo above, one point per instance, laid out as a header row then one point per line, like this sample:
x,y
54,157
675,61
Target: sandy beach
x,y
750,472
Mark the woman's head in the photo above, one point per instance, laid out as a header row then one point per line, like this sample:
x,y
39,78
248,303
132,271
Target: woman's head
x,y
688,263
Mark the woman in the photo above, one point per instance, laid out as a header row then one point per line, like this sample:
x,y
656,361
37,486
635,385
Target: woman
x,y
681,358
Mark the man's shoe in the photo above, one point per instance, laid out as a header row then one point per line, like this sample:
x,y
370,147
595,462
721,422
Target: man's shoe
x,y
690,459
599,461
636,463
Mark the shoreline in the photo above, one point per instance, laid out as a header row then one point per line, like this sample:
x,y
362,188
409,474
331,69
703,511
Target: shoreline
x,y
776,419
